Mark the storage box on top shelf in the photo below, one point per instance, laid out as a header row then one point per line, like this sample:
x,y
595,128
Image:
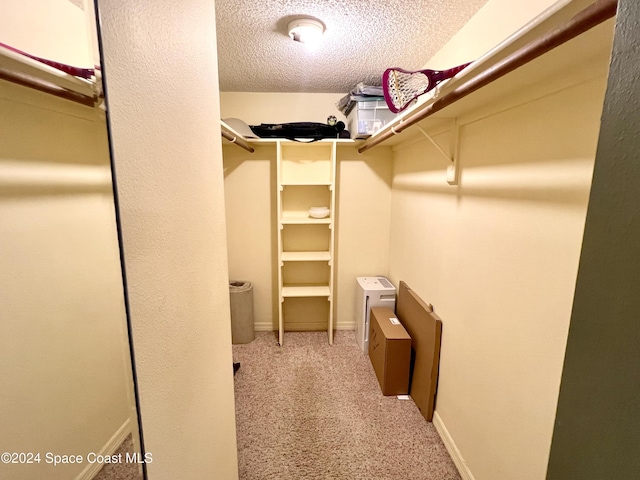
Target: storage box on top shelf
x,y
389,351
367,117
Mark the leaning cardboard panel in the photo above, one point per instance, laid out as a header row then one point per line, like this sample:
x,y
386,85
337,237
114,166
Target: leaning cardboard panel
x,y
425,329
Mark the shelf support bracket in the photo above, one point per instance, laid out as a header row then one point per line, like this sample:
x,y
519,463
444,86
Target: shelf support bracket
x,y
452,160
434,143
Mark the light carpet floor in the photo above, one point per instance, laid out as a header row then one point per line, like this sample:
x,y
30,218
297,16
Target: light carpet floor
x,y
122,470
309,410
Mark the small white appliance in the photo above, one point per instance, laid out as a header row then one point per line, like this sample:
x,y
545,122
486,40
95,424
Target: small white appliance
x,y
371,292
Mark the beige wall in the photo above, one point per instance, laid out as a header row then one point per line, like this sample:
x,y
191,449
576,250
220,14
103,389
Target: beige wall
x,y
497,256
249,186
362,235
256,108
364,208
53,29
492,24
597,409
363,198
66,376
164,114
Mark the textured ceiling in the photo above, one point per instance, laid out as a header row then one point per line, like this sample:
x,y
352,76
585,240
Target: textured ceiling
x,y
363,38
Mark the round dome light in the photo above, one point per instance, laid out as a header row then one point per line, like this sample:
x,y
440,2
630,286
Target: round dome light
x,y
306,30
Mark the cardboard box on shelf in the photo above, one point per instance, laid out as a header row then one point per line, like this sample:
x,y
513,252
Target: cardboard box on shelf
x,y
389,351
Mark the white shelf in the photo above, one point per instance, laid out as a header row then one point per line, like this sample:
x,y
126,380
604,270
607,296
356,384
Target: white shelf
x,y
274,141
548,53
289,291
306,256
302,219
306,184
234,137
26,71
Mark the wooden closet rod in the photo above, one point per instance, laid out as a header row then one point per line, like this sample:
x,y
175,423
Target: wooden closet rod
x,y
583,21
46,87
238,141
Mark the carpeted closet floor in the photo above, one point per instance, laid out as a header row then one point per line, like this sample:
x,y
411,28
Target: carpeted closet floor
x,y
122,470
309,410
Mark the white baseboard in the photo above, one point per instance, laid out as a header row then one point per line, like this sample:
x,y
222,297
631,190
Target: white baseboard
x,y
455,454
346,326
92,469
268,326
263,327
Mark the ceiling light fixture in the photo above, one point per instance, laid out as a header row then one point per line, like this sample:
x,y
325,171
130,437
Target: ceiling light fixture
x,y
306,30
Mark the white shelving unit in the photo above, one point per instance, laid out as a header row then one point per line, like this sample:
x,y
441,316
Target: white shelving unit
x,y
306,175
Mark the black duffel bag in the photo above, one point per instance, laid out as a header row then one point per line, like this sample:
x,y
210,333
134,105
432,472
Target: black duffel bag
x,y
299,131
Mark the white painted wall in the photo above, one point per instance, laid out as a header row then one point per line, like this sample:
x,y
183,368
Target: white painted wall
x,y
164,114
497,256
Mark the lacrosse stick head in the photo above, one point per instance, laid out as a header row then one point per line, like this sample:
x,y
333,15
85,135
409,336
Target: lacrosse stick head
x,y
401,87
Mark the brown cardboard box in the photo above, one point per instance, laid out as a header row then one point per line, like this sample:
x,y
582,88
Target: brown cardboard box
x,y
389,351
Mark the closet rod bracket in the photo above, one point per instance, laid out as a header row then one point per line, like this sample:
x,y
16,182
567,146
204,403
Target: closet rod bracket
x,y
452,159
453,170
